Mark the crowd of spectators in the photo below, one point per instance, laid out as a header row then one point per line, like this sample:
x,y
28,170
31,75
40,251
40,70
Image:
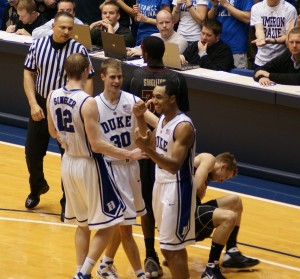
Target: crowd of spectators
x,y
255,31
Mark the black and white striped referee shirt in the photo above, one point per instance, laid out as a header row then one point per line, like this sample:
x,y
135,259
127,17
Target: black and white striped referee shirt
x,y
47,58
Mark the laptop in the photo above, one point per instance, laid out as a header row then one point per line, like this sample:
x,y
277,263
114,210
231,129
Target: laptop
x,y
171,58
114,46
82,34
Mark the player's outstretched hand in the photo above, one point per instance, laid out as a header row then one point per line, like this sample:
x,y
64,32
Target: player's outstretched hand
x,y
142,142
137,154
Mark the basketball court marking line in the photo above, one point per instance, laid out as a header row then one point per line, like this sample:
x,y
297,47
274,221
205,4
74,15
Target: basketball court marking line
x,y
210,187
136,235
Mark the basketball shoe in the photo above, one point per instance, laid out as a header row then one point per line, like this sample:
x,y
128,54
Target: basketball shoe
x,y
107,270
233,258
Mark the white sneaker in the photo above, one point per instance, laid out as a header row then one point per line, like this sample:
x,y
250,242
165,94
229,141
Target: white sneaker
x,y
107,270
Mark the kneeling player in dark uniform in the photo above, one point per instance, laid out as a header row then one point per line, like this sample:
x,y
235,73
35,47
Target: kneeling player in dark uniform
x,y
222,214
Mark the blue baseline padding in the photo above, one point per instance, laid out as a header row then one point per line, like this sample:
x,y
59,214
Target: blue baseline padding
x,y
242,72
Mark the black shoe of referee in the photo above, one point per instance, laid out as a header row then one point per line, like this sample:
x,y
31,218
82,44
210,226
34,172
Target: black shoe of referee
x,y
32,201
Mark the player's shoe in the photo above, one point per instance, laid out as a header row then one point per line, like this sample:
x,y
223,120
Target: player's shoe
x,y
107,270
32,201
79,275
152,268
235,259
212,271
142,276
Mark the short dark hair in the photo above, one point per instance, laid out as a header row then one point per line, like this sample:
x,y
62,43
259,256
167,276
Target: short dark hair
x,y
111,3
229,160
67,1
28,5
295,30
62,13
154,46
75,65
214,25
171,88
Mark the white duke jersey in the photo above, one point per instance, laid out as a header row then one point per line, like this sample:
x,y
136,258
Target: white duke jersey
x,y
65,109
165,140
117,122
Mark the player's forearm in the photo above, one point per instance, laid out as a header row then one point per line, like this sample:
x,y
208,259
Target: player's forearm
x,y
103,147
151,119
163,162
141,123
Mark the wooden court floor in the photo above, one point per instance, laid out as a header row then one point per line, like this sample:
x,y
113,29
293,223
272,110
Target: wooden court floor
x,y
35,244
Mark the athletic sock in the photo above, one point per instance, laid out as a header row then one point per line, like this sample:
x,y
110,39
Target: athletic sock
x,y
215,252
87,266
107,259
231,242
150,251
78,268
139,273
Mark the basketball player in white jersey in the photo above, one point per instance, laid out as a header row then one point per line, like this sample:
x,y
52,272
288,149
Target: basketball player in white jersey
x,y
92,200
171,146
117,123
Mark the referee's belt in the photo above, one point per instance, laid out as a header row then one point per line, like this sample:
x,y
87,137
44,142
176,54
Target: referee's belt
x,y
119,162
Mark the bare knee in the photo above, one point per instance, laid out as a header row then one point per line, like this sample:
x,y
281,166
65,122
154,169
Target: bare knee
x,y
237,203
229,219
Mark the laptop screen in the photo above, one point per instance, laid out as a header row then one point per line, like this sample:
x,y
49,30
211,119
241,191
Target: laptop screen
x,y
81,33
114,45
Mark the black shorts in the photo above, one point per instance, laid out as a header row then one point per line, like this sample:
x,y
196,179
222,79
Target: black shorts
x,y
203,219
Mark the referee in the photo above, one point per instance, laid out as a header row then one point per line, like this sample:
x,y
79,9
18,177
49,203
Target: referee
x,y
44,72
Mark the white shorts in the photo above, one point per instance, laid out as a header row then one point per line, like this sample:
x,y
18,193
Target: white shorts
x,y
128,182
174,211
91,196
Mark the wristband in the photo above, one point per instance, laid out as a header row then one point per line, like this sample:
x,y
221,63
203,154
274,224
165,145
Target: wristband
x,y
177,12
190,6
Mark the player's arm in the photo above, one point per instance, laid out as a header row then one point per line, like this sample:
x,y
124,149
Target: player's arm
x,y
184,135
204,163
144,116
90,116
150,118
